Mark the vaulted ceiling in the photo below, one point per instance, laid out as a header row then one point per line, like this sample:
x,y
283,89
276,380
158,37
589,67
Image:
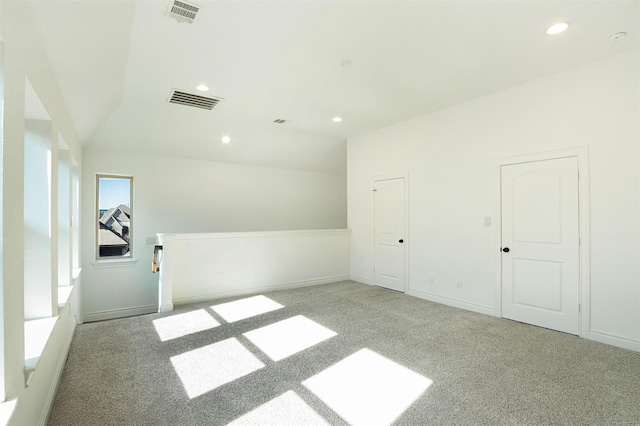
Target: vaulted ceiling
x,y
373,63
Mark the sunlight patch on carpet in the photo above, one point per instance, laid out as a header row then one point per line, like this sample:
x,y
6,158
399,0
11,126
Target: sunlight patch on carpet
x,y
288,337
246,308
204,369
175,326
287,409
368,389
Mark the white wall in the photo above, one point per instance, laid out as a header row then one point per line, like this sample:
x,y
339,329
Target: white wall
x,y
25,58
173,195
450,157
200,267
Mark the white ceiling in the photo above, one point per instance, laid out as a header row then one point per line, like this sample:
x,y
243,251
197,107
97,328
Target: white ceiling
x,y
116,62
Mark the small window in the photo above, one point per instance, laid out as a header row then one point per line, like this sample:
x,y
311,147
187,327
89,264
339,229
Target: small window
x,y
114,230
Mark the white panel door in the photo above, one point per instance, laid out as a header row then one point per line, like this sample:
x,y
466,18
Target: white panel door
x,y
389,228
540,244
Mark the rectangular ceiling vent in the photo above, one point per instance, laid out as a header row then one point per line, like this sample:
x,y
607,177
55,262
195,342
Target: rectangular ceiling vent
x,y
183,11
189,99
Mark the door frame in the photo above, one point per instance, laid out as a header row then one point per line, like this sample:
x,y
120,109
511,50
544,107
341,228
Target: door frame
x,y
407,240
582,156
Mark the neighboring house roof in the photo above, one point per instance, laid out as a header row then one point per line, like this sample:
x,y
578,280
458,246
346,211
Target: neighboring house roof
x,y
108,238
115,219
121,213
113,225
106,216
125,209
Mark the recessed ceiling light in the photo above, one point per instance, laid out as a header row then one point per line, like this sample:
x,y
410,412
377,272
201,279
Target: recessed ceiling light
x,y
617,36
337,119
557,28
226,139
202,87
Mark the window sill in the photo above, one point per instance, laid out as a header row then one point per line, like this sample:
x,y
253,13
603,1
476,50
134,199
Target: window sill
x,y
36,335
113,263
6,410
75,274
63,295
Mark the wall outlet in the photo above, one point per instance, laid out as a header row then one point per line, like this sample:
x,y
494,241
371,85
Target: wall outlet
x,y
432,279
221,276
459,284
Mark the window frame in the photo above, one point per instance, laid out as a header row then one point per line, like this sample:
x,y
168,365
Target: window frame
x,y
112,259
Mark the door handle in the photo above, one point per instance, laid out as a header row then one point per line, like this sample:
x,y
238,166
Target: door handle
x,y
506,249
401,241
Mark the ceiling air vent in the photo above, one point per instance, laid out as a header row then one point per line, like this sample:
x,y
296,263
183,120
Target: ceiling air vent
x,y
183,11
189,99
279,121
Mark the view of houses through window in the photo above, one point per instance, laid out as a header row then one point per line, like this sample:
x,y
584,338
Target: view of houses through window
x,y
114,196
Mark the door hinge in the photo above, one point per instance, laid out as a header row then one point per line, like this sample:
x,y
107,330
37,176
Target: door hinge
x,y
579,308
374,190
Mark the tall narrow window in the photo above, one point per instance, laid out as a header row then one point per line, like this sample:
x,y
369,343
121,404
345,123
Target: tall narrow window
x,y
114,195
75,215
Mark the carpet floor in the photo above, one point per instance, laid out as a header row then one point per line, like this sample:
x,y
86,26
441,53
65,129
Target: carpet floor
x,y
337,354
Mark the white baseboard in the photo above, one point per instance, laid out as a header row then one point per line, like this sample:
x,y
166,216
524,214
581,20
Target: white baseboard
x,y
119,313
596,336
257,289
481,309
361,280
168,307
609,339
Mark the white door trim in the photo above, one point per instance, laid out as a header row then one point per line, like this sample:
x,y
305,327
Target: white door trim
x,y
407,240
582,156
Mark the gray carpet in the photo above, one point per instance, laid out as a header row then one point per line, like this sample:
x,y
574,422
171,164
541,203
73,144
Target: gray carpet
x,y
423,363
